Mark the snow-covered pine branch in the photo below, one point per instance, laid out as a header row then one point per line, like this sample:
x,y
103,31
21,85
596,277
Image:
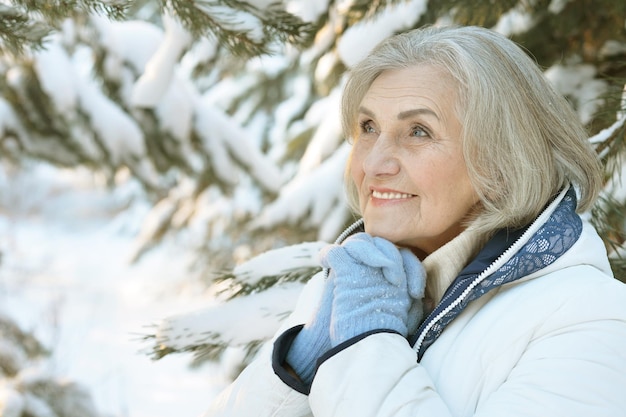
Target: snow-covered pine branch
x,y
315,200
247,28
608,212
26,389
24,25
257,297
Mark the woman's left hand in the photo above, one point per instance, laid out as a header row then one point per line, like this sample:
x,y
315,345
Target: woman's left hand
x,y
375,285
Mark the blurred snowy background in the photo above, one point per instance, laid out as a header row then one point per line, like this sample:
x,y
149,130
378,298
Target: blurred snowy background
x,y
65,276
169,170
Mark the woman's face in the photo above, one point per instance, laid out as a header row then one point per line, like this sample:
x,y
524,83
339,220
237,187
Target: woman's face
x,y
407,160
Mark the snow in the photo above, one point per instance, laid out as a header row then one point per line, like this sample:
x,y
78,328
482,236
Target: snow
x,y
234,20
53,66
291,257
303,195
65,275
287,112
309,11
252,318
606,133
324,114
175,111
66,242
557,6
117,131
159,70
222,136
11,403
358,40
8,119
577,81
131,41
515,21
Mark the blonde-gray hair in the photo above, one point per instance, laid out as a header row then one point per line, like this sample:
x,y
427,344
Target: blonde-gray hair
x,y
522,141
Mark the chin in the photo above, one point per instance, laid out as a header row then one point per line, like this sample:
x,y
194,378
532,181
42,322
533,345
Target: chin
x,y
394,234
383,232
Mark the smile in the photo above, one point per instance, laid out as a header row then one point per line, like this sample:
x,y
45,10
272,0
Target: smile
x,y
390,196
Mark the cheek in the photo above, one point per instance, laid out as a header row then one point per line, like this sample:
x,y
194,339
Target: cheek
x,y
463,193
446,186
354,177
356,167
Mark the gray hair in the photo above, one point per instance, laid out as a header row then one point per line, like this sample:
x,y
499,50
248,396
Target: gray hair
x,y
522,141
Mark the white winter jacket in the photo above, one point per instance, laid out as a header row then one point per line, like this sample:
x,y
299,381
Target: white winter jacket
x,y
536,328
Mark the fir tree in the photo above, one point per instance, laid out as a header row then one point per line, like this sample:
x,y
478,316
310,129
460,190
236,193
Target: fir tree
x,y
26,390
561,36
254,88
26,24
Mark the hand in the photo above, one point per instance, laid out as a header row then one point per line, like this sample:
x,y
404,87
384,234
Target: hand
x,y
375,284
314,338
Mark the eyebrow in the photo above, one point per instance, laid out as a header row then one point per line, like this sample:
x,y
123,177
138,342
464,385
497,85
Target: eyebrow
x,y
403,115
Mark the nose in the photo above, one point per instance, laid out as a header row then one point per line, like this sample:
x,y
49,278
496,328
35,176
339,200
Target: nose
x,y
381,159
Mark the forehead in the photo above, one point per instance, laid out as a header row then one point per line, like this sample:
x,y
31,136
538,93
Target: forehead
x,y
420,85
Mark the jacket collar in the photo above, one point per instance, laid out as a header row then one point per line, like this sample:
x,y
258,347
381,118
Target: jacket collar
x,y
507,257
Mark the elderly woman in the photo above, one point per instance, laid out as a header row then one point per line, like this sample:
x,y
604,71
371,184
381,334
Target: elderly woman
x,y
470,286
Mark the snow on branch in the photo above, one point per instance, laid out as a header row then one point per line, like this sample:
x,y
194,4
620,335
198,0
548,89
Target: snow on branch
x,y
57,76
26,24
297,263
324,114
358,40
153,83
603,138
11,129
246,321
309,197
26,388
119,134
226,142
246,29
578,82
262,293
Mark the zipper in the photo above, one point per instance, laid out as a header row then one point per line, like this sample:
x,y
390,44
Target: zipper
x,y
354,226
349,231
495,265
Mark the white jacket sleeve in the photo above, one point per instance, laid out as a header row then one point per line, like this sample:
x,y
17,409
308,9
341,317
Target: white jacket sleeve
x,y
258,392
377,376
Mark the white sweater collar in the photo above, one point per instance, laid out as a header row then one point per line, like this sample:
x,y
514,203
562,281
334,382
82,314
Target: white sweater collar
x,y
443,265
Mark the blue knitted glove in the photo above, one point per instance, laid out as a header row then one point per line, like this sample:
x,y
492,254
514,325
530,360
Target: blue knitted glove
x,y
375,284
416,283
314,339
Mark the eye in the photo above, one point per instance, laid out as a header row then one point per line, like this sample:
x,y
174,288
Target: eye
x,y
419,132
366,127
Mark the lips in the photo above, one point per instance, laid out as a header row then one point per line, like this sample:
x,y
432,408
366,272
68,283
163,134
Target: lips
x,y
390,195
